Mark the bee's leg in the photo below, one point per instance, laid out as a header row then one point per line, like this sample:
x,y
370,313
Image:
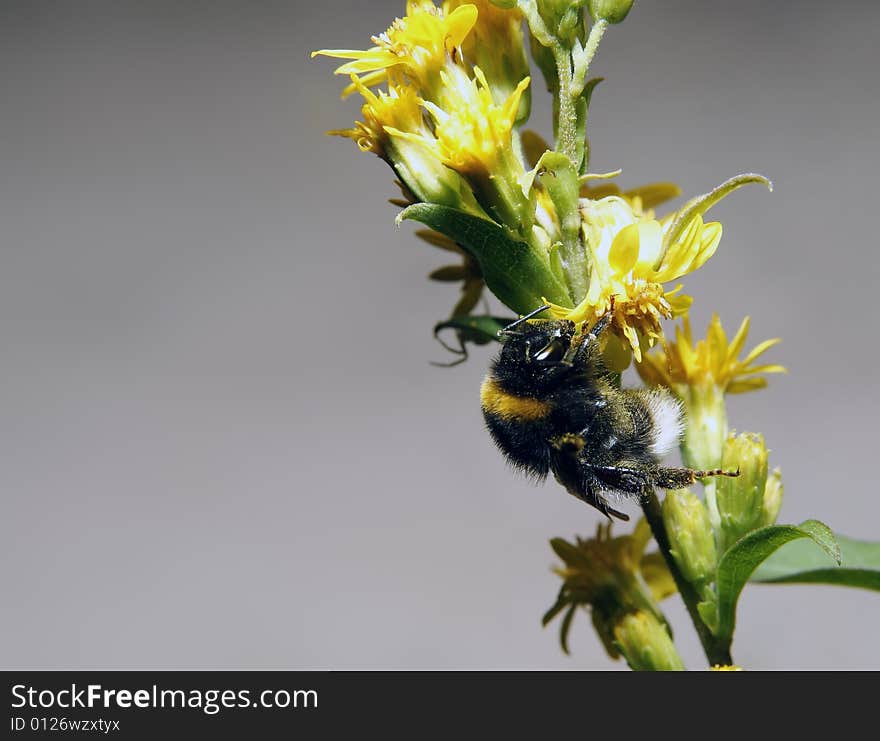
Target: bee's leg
x,y
600,503
587,343
623,478
679,478
592,486
578,477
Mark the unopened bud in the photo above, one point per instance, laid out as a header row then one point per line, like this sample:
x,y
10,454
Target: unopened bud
x,y
706,429
563,18
741,499
612,11
646,644
690,536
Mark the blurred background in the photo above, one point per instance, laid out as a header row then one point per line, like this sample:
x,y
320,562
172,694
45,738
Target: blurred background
x,y
223,445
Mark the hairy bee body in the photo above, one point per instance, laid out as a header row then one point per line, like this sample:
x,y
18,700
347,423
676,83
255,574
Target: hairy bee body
x,y
551,406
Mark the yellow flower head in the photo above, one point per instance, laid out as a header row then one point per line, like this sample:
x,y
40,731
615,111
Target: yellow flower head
x,y
710,362
472,133
399,108
496,45
594,569
629,265
610,575
414,48
396,111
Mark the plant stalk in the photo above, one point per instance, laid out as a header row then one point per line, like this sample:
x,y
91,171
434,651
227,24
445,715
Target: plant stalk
x,y
716,649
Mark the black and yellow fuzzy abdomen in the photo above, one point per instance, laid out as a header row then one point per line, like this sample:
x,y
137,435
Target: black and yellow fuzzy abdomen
x,y
520,427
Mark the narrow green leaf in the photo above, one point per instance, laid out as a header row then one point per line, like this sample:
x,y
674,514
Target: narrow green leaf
x,y
702,203
449,274
801,563
590,87
469,330
481,329
744,556
512,270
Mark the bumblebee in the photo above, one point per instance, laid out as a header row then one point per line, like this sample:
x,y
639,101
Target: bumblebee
x,y
551,405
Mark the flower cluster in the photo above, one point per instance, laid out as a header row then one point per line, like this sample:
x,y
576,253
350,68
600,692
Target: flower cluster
x,y
445,92
621,586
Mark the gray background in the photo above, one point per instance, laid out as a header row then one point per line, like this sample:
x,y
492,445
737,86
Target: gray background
x,y
222,443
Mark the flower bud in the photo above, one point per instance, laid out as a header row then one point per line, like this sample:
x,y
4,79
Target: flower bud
x,y
690,536
496,45
706,429
646,644
562,17
741,499
612,11
772,497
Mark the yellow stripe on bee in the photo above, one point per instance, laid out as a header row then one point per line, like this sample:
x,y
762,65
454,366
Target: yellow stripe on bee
x,y
495,400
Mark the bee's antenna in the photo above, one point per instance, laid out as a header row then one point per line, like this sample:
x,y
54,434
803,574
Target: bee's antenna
x,y
509,327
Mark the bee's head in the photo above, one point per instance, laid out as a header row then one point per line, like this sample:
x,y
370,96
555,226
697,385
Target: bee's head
x,y
536,356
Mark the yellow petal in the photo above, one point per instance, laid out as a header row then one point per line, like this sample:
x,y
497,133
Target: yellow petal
x,y
460,22
709,241
624,250
650,244
759,349
775,368
743,385
738,341
654,194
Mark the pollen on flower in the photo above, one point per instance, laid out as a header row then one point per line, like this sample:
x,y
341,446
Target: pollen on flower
x,y
629,264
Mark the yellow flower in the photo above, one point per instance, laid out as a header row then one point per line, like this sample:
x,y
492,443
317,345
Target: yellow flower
x,y
474,133
603,563
710,362
700,375
629,265
613,577
474,136
399,108
414,48
495,45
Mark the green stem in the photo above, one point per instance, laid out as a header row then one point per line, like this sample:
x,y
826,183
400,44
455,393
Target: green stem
x,y
590,48
566,125
712,506
717,650
569,143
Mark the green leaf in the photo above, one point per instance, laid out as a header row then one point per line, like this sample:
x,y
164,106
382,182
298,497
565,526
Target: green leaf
x,y
480,329
469,329
801,563
449,274
744,556
700,204
512,270
590,87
